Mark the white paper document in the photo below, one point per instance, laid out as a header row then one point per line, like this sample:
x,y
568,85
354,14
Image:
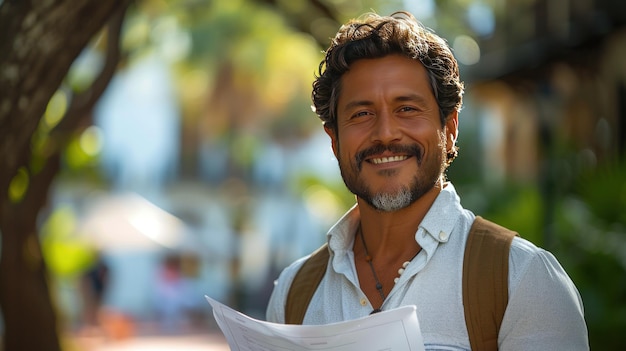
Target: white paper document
x,y
393,330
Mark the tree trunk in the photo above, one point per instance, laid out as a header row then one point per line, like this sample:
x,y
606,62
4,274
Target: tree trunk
x,y
29,316
38,43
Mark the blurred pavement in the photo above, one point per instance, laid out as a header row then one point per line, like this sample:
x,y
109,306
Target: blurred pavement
x,y
207,339
208,342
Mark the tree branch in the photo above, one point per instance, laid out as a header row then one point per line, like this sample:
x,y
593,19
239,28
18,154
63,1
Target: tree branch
x,y
302,20
45,38
82,104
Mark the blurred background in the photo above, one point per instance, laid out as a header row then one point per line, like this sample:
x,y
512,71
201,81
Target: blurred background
x,y
198,168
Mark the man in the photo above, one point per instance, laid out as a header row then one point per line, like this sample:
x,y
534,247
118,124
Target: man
x,y
389,94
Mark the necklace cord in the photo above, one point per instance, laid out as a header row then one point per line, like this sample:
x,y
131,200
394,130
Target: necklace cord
x,y
368,258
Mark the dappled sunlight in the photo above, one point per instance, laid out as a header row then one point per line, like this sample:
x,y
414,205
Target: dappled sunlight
x,y
291,61
18,185
83,151
91,141
56,109
66,254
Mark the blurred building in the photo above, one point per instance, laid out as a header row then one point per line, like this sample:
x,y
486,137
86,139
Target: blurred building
x,y
549,75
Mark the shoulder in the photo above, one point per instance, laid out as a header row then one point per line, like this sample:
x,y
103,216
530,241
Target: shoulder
x,y
527,259
536,271
544,304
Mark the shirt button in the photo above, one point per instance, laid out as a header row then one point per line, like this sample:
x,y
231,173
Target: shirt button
x,y
363,301
443,236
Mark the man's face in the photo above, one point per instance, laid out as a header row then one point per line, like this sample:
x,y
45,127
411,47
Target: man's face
x,y
389,141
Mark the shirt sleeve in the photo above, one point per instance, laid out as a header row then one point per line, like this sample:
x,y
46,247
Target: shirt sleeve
x,y
275,311
545,311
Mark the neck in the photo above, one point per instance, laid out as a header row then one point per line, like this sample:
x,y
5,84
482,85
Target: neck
x,y
393,233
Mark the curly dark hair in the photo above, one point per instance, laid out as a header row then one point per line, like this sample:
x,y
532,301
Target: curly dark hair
x,y
375,36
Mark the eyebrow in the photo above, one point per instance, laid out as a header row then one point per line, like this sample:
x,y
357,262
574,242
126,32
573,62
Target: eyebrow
x,y
411,97
357,103
403,98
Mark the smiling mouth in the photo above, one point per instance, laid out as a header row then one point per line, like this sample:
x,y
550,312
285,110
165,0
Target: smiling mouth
x,y
386,154
382,160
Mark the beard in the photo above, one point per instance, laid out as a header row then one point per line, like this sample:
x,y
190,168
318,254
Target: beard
x,y
394,198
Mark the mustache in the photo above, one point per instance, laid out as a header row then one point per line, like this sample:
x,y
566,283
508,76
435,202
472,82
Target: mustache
x,y
411,150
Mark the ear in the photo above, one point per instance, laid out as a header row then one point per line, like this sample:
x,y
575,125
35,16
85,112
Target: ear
x,y
332,133
452,129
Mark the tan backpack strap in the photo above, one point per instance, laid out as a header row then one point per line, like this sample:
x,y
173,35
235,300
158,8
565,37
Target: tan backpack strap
x,y
485,282
305,284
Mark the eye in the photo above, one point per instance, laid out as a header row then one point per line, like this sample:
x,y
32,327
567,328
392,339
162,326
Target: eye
x,y
360,114
407,109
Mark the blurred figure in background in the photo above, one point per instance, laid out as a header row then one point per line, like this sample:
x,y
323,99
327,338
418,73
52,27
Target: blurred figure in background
x,y
93,286
172,296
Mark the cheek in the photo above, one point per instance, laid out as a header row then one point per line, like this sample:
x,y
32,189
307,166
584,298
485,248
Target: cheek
x,y
347,143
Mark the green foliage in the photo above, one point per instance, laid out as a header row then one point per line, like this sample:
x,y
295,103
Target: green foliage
x,y
520,210
343,198
65,254
591,232
515,206
587,230
19,185
605,192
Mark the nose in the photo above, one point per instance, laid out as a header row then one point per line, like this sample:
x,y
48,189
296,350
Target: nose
x,y
386,129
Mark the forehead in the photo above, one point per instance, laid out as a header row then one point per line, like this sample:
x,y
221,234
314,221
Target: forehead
x,y
385,78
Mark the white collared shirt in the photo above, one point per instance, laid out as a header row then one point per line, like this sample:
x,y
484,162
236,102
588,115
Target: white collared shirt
x,y
544,312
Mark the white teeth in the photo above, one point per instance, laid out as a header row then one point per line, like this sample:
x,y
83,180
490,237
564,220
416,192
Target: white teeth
x,y
380,160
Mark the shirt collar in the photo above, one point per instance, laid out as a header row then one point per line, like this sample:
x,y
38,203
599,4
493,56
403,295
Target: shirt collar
x,y
435,228
442,215
341,235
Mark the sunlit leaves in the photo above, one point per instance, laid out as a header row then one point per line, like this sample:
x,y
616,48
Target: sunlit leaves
x,y
137,32
323,203
245,57
56,109
64,252
85,69
19,185
91,140
289,67
42,145
83,150
173,41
